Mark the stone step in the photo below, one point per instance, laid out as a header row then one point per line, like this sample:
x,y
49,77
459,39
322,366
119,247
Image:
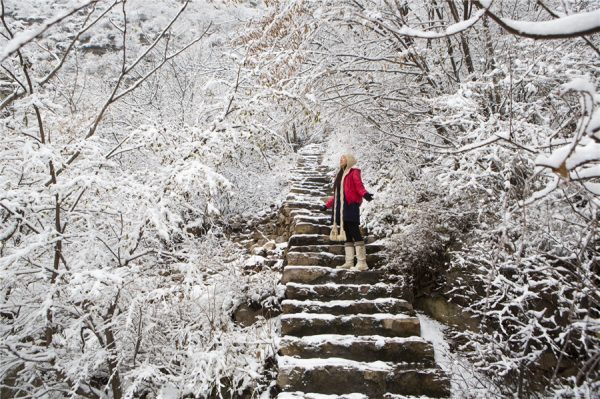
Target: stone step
x,y
354,395
309,162
311,171
295,258
337,249
304,212
312,179
310,205
311,395
329,291
322,219
397,325
318,218
299,240
311,228
374,379
302,198
324,192
327,189
362,348
316,154
313,192
348,307
302,182
323,275
314,258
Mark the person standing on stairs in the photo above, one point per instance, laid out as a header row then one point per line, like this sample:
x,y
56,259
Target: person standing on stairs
x,y
348,192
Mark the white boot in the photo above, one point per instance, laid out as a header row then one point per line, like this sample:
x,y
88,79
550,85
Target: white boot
x,y
361,256
349,249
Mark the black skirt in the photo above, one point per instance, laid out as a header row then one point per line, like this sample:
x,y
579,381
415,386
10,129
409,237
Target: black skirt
x,y
351,212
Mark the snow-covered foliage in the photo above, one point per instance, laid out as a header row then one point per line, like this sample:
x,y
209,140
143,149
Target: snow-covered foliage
x,y
125,153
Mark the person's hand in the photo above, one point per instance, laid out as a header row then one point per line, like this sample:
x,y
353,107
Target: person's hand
x,y
369,197
323,208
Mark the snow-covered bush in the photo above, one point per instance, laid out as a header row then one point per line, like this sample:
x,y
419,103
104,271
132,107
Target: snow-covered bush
x,y
123,149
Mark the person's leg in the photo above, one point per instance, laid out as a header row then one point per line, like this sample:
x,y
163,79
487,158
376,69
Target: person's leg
x,y
352,231
359,246
348,249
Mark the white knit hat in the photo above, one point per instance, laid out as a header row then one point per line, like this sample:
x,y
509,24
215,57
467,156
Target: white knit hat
x,y
350,160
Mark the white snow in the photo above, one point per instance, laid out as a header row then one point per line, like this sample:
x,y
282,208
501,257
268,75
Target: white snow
x,y
334,285
341,303
566,25
326,316
340,339
302,395
285,362
465,380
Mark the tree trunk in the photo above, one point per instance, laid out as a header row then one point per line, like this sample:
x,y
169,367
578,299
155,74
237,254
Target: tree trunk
x,y
463,40
111,346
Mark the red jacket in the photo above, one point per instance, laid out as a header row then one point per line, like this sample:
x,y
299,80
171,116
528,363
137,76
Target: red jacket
x,y
354,190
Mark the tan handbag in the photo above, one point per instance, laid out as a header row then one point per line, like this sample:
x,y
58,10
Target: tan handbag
x,y
337,233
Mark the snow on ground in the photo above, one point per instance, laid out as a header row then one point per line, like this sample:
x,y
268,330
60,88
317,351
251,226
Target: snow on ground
x,y
466,382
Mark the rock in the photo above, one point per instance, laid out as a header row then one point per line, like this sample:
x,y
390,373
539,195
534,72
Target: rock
x,y
247,315
270,246
446,312
258,250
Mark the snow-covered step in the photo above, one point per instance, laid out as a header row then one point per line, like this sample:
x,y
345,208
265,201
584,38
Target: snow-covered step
x,y
312,179
347,307
310,395
303,197
298,240
315,186
305,395
309,172
312,218
302,204
314,258
316,153
311,228
308,191
362,348
322,275
312,170
304,212
324,191
337,249
388,325
373,379
332,291
328,259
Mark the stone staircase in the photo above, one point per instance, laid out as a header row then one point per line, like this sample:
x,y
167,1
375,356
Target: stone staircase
x,y
345,334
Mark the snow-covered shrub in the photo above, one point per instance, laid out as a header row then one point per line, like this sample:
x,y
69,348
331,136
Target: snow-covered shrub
x,y
115,280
